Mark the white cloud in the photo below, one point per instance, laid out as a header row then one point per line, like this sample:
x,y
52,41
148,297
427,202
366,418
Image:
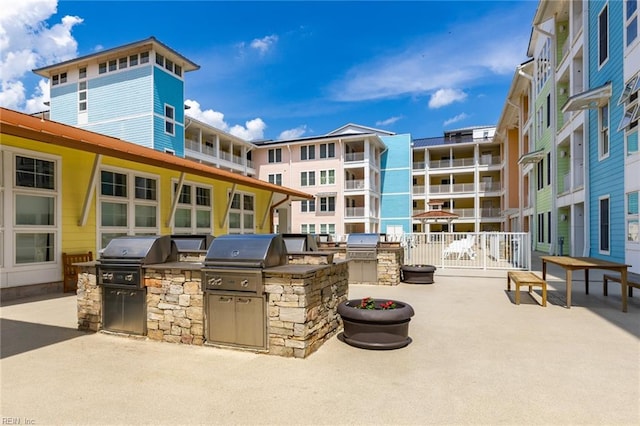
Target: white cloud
x,y
293,133
455,119
444,97
388,121
27,42
465,56
253,129
263,44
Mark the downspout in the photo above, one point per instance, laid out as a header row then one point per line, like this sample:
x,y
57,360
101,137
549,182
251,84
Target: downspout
x,y
272,209
586,251
554,130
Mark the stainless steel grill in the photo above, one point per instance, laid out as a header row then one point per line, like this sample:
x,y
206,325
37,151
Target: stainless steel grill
x,y
233,283
362,252
192,243
297,243
119,271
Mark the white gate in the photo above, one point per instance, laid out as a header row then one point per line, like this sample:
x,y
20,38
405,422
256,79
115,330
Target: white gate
x,y
479,250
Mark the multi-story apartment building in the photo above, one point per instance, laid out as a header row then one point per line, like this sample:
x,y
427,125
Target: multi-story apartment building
x,y
342,169
209,145
135,92
572,114
464,170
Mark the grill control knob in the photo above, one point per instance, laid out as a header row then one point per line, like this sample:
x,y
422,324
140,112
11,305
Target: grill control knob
x,y
244,283
128,277
107,276
215,281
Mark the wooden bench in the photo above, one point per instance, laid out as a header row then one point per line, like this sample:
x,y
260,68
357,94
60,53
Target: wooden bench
x,y
529,279
70,272
633,280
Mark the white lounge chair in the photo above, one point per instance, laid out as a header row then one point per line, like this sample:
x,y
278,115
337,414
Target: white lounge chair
x,y
460,248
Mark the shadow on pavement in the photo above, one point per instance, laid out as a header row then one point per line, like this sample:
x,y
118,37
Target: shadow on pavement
x,y
17,337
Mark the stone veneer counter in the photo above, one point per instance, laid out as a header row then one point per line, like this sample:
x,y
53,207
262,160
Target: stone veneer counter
x,y
302,302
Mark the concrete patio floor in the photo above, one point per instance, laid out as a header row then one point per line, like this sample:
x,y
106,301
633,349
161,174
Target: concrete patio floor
x,y
476,358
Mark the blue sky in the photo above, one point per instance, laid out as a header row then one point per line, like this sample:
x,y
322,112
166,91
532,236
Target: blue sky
x,y
291,69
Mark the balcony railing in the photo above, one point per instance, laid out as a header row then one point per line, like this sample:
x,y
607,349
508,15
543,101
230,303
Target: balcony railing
x,y
354,185
455,188
489,187
465,213
418,189
490,212
418,165
493,160
354,212
354,156
456,162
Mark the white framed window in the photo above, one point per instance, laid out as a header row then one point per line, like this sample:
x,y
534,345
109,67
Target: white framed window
x,y
604,225
603,35
169,120
193,212
328,228
242,214
275,155
328,150
631,21
633,217
82,73
543,65
308,206
307,152
539,121
128,204
603,134
540,228
327,177
275,178
307,178
82,96
122,63
35,198
328,204
308,228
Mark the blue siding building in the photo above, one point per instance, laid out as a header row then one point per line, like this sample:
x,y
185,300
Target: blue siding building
x,y
133,92
395,197
606,155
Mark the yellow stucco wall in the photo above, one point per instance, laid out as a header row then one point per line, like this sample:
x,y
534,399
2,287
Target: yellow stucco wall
x,y
75,168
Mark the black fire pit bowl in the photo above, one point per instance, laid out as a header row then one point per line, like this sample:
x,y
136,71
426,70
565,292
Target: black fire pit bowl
x,y
417,274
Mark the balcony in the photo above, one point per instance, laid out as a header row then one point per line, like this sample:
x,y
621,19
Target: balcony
x,y
456,162
491,213
490,160
468,213
452,189
418,165
354,157
489,187
418,189
354,185
354,212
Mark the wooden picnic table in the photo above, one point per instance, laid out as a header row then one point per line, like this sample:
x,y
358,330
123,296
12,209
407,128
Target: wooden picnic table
x,y
571,264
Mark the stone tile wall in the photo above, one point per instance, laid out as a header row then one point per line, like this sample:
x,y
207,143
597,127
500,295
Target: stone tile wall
x,y
89,300
175,311
302,309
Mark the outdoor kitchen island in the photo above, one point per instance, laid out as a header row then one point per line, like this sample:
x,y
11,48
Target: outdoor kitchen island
x,y
300,301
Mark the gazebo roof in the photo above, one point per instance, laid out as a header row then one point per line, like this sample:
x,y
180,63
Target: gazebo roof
x,y
435,214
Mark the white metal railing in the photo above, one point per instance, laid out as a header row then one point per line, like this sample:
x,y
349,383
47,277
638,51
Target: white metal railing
x,y
450,188
456,162
354,184
418,165
465,213
418,189
566,182
191,144
468,250
354,212
354,156
490,212
489,186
